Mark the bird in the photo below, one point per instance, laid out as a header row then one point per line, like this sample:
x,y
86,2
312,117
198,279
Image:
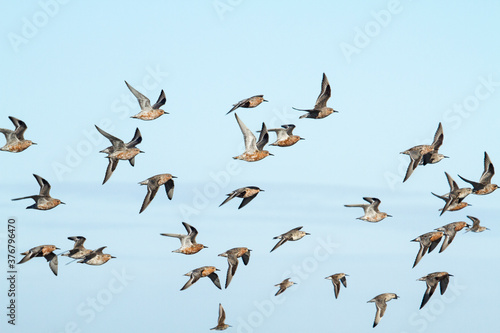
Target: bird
x,y
285,137
450,230
43,201
456,194
188,242
78,251
336,280
320,110
475,225
432,280
198,273
46,251
96,257
372,214
247,193
454,205
292,235
250,102
484,185
232,256
221,325
120,151
154,184
253,148
148,112
15,141
381,304
428,242
425,154
286,283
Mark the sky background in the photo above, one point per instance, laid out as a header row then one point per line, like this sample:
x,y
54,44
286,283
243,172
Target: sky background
x,y
396,70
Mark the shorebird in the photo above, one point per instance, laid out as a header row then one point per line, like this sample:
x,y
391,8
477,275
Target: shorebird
x,y
250,102
336,280
381,304
428,242
78,251
15,141
221,326
45,251
320,110
148,112
120,151
292,235
484,186
450,230
154,184
253,148
198,273
96,257
43,201
454,204
188,242
286,283
475,225
247,193
285,137
372,214
432,281
456,194
232,256
425,154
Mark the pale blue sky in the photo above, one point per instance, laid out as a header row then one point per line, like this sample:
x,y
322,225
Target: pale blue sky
x,y
396,70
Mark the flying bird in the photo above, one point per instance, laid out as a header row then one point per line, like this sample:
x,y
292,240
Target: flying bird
x,y
250,102
285,137
428,242
450,230
456,194
188,242
372,214
221,325
15,141
148,112
247,193
381,305
425,154
120,151
292,235
475,225
286,283
320,110
46,251
336,280
198,273
78,251
96,257
232,256
253,148
154,184
43,201
432,280
484,185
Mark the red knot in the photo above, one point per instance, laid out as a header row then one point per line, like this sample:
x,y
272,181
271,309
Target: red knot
x,y
456,194
188,242
432,280
43,201
148,112
198,273
475,225
336,280
120,151
96,257
221,325
292,235
428,242
253,148
450,230
484,185
15,141
78,251
154,184
454,205
250,102
285,137
286,283
320,110
45,251
247,193
381,305
372,214
232,256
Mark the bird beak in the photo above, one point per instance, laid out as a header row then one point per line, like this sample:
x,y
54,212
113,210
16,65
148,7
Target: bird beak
x,y
389,215
217,269
335,111
63,203
307,233
34,143
450,275
57,248
140,151
205,247
174,177
271,154
265,100
446,157
302,138
113,257
262,191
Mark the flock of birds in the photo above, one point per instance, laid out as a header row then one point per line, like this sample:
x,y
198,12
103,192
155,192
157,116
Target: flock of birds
x,y
254,151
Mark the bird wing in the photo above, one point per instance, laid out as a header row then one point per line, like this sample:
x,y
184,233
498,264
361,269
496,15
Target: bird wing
x,y
144,102
215,279
53,262
443,284
237,105
231,270
250,140
233,195
245,201
431,287
246,257
135,140
281,242
381,306
489,170
117,143
160,102
110,169
152,190
20,127
325,93
263,138
169,188
438,138
44,185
